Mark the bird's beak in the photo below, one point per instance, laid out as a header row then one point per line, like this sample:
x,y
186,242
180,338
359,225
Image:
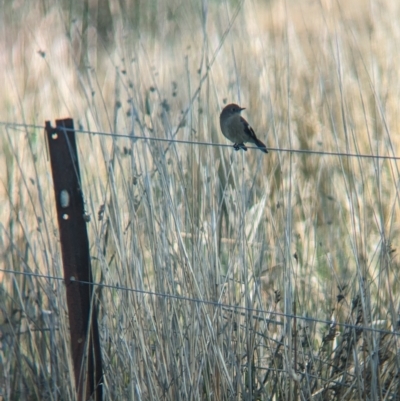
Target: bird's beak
x,y
242,108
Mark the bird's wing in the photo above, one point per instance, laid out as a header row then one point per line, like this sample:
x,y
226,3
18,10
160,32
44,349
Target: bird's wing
x,y
247,128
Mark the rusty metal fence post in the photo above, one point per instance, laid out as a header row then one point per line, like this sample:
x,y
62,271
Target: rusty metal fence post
x,y
86,352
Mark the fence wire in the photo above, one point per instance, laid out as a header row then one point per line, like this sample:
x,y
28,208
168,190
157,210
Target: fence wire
x,y
199,143
215,304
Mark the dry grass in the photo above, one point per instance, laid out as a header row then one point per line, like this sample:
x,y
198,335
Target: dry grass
x,y
272,236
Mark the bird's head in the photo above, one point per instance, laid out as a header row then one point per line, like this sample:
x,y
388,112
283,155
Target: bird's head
x,y
232,108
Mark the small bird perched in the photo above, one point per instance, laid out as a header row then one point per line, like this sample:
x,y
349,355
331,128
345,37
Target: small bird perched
x,y
237,129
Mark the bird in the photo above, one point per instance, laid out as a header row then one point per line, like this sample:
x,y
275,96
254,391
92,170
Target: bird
x,y
237,129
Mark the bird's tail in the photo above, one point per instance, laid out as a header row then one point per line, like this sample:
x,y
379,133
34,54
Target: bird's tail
x,y
261,146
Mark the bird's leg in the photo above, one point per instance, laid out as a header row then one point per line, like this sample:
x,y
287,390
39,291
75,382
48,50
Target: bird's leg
x,y
238,146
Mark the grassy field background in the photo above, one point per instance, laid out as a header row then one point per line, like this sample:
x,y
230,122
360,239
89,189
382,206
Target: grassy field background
x,y
260,237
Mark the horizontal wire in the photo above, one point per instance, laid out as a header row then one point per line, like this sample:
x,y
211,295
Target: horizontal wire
x,y
183,298
207,302
187,142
